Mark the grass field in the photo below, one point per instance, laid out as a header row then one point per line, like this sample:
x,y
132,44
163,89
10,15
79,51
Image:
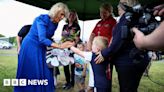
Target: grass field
x,y
8,64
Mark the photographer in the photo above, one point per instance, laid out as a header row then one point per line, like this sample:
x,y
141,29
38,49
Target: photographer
x,y
153,41
130,62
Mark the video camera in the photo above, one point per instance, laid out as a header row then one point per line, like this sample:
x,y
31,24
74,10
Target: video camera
x,y
140,17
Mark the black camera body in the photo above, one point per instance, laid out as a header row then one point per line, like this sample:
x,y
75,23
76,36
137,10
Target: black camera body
x,y
140,17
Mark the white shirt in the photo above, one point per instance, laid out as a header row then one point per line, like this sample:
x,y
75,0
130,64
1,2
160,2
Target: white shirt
x,y
88,58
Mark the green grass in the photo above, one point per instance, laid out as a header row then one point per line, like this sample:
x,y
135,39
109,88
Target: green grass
x,y
8,66
157,75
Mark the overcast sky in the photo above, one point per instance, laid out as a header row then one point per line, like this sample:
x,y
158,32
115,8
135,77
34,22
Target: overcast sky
x,y
15,14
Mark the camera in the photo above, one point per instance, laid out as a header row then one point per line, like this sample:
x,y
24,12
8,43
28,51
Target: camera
x,y
140,17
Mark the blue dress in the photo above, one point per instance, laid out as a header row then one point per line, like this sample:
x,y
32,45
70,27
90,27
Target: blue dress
x,y
32,57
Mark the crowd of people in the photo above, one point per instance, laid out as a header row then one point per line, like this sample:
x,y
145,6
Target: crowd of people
x,y
105,49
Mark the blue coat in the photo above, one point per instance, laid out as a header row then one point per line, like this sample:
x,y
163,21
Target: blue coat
x,y
32,56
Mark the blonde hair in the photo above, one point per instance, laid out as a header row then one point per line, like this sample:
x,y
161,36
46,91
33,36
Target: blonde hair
x,y
56,8
107,6
131,2
100,41
76,16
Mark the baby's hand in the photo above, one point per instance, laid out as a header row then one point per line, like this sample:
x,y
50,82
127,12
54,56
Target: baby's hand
x,y
78,65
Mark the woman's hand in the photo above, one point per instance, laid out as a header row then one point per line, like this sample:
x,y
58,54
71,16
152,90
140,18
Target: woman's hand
x,y
18,49
99,59
67,44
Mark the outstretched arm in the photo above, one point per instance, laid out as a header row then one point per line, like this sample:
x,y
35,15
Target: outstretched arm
x,y
66,44
77,51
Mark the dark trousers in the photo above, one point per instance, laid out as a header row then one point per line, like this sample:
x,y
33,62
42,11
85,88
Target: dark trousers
x,y
129,76
103,89
109,89
69,76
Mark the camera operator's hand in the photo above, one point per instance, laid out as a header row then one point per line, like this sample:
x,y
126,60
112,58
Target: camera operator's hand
x,y
153,41
138,38
159,10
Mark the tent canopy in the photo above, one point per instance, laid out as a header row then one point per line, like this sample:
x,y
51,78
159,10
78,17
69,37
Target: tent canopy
x,y
86,9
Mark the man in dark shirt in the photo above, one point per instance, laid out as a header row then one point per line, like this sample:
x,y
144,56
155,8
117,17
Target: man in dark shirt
x,y
21,34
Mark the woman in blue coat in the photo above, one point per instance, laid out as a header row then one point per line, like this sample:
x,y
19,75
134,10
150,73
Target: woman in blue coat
x,y
32,57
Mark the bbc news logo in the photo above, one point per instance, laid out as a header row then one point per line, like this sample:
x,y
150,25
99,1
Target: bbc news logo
x,y
24,82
